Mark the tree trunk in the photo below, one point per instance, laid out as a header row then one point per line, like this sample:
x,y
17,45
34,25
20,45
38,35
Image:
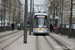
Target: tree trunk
x,y
62,19
9,15
1,17
19,12
32,16
14,11
4,14
70,24
54,17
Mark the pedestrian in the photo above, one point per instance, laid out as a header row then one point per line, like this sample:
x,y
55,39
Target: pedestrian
x,y
51,27
12,26
54,28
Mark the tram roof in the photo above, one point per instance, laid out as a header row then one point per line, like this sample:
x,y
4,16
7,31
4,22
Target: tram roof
x,y
40,14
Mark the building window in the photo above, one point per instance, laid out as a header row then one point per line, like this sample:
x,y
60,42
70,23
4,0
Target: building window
x,y
73,13
73,3
73,8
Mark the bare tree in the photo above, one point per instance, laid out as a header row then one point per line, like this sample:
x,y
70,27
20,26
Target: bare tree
x,y
9,12
4,5
12,10
62,1
70,24
54,3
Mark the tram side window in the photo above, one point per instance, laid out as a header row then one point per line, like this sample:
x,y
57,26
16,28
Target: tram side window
x,y
45,22
36,22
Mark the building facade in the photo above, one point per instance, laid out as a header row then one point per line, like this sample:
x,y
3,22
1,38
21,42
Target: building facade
x,y
67,11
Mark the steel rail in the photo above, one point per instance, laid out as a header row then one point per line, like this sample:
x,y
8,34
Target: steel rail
x,y
48,43
12,41
16,33
37,43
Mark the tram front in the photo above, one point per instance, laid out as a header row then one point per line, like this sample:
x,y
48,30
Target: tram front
x,y
40,24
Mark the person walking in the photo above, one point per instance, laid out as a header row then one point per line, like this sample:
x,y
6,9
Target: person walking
x,y
12,26
54,28
51,27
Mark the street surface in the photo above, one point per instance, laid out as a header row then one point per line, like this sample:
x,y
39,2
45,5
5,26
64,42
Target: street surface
x,y
15,42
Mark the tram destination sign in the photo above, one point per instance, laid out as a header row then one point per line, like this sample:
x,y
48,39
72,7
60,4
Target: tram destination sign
x,y
40,16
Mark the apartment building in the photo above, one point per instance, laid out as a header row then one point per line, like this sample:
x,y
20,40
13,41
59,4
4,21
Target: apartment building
x,y
67,10
73,11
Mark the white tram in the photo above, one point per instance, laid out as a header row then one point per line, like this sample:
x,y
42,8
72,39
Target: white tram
x,y
40,25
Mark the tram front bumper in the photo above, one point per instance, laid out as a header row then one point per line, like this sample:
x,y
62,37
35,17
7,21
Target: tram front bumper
x,y
40,33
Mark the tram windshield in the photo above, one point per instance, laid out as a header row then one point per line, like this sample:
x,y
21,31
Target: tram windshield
x,y
40,22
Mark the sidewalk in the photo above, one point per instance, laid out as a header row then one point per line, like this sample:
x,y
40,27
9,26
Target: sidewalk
x,y
68,42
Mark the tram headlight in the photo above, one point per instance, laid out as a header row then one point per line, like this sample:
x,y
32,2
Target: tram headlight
x,y
44,26
44,29
36,29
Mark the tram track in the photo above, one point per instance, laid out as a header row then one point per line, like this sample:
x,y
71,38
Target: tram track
x,y
9,36
12,42
5,35
9,41
42,43
37,44
47,43
58,42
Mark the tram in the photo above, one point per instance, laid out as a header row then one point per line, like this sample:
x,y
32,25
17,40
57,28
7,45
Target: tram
x,y
40,25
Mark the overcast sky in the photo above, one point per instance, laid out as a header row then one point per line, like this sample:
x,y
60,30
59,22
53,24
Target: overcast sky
x,y
35,2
